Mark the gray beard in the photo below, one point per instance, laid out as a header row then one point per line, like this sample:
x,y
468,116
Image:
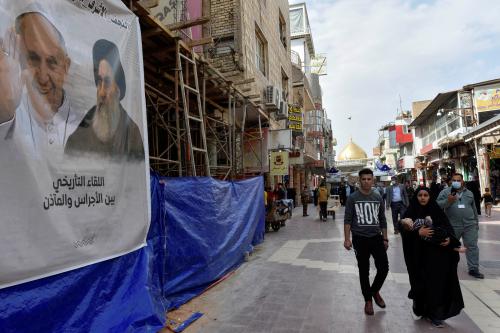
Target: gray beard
x,y
105,122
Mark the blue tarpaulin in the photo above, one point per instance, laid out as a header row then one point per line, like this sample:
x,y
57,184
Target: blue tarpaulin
x,y
210,224
200,230
111,296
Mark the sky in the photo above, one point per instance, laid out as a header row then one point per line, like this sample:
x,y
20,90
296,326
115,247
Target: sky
x,y
379,50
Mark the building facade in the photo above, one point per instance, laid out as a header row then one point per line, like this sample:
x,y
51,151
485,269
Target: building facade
x,y
316,137
440,149
252,49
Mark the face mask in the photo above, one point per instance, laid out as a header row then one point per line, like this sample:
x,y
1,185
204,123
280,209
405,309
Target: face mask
x,y
393,182
456,185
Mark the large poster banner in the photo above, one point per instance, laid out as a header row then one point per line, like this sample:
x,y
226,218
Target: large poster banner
x,y
73,169
487,98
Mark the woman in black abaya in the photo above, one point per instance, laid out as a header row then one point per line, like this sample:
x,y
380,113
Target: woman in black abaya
x,y
431,258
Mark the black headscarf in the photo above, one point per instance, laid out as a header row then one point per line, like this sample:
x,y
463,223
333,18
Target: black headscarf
x,y
418,211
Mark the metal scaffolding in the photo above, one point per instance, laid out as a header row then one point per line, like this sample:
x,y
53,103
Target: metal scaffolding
x,y
198,121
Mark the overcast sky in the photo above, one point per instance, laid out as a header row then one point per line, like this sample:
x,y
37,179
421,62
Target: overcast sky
x,y
380,49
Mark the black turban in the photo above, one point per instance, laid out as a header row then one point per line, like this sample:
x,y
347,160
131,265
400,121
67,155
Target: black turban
x,y
106,50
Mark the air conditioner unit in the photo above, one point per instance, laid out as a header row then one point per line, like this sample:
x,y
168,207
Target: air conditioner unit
x,y
282,112
273,97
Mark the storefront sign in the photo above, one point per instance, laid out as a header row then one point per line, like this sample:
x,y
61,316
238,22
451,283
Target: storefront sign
x,y
465,99
495,153
295,118
487,98
278,163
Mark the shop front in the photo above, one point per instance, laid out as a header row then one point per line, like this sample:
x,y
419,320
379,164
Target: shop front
x,y
486,141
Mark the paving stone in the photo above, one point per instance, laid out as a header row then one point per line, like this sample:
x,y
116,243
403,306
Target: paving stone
x,y
268,296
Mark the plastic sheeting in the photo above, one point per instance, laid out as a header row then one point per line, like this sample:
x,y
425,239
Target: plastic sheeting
x,y
118,295
111,296
210,224
200,230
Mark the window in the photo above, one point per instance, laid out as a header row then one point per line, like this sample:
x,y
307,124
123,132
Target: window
x,y
405,129
284,86
282,28
261,52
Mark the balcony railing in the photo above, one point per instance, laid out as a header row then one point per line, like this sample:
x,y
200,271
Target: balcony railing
x,y
443,129
299,31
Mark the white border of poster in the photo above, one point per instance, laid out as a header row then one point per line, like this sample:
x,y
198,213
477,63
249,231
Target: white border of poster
x,y
74,162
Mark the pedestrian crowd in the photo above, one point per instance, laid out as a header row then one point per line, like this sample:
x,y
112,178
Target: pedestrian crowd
x,y
432,223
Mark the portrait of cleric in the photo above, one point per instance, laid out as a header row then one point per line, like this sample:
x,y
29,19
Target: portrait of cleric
x,y
107,130
35,109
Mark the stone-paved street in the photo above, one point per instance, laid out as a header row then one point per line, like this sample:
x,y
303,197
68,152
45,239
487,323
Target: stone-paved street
x,y
303,280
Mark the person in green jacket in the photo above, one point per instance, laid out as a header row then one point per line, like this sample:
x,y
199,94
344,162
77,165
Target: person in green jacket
x,y
458,204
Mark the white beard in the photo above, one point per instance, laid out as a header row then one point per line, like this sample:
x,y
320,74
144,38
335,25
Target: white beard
x,y
105,122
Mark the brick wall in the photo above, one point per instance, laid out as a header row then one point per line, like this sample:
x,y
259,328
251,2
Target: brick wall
x,y
233,27
224,54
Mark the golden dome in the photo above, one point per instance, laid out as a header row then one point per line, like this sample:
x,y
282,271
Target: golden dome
x,y
351,152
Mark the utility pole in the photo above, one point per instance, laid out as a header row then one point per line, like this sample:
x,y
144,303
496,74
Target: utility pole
x,y
400,105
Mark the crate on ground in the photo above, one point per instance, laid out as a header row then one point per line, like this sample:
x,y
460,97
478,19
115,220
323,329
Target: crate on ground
x,y
333,205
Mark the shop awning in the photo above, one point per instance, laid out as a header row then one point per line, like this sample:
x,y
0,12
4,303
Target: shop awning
x,y
433,107
488,128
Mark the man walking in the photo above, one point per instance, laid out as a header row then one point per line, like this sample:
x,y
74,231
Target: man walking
x,y
365,219
342,193
323,201
397,199
436,188
304,198
458,204
409,190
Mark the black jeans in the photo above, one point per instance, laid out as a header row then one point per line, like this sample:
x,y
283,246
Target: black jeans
x,y
304,209
322,209
364,247
397,208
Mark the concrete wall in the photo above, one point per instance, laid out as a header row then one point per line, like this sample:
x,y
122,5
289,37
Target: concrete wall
x,y
418,107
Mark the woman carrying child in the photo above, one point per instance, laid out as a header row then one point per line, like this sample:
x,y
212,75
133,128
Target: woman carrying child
x,y
431,257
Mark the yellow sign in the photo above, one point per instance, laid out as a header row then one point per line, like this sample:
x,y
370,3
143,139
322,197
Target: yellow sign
x,y
495,153
294,109
294,118
487,99
297,127
278,164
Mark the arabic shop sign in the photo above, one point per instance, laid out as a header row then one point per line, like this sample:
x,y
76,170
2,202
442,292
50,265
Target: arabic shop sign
x,y
295,118
278,163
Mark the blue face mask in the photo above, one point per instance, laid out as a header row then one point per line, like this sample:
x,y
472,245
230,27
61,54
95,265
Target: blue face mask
x,y
456,185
